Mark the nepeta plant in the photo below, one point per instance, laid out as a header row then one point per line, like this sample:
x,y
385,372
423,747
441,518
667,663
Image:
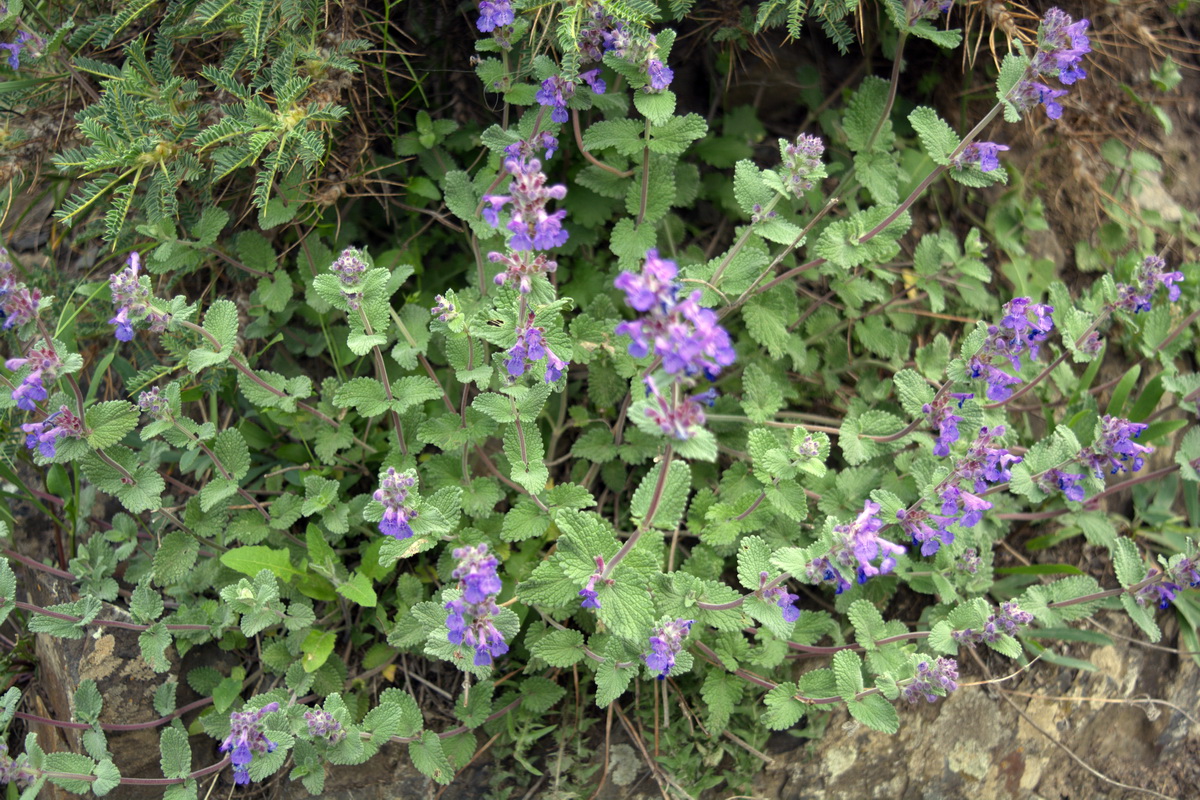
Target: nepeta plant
x,y
617,451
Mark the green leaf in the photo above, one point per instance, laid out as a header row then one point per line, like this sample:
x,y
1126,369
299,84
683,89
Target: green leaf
x,y
69,763
154,642
847,672
560,649
88,702
109,422
524,521
763,395
875,712
655,106
672,497
748,187
174,558
427,756
863,114
143,494
868,623
364,395
783,709
1127,562
612,679
8,583
316,649
176,758
412,391
753,559
938,138
539,695
721,692
842,242
1012,69
677,134
108,777
251,560
359,590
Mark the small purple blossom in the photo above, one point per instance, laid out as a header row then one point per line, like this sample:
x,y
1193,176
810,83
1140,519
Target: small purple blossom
x,y
494,14
44,364
471,617
1114,450
822,570
665,644
45,435
659,74
857,544
927,9
972,505
529,347
1185,571
780,596
802,162
932,679
14,48
680,416
1149,276
942,417
520,268
443,309
350,269
1006,621
969,561
18,303
131,297
322,725
927,531
1061,48
1024,325
15,770
245,739
1161,591
392,494
985,154
588,592
525,149
554,94
532,226
593,80
152,403
1066,482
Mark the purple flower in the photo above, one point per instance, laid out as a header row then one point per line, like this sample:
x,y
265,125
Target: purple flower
x,y
655,287
802,161
479,584
18,303
780,596
15,770
322,725
1007,622
554,94
665,644
857,545
1114,449
45,435
927,9
1149,277
443,309
985,154
531,346
942,417
928,537
593,80
350,269
588,592
152,403
969,561
532,226
660,75
1065,43
521,269
1065,482
245,739
973,506
44,364
1161,591
131,297
392,494
523,150
822,570
1184,571
14,49
494,14
1022,327
932,679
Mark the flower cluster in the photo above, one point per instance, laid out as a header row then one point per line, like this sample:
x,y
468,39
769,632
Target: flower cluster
x,y
802,162
665,644
927,531
131,297
1182,571
45,435
152,403
350,269
941,674
1114,449
942,417
532,226
43,363
588,592
685,337
322,725
1022,327
494,14
521,269
969,561
529,347
525,149
443,309
14,48
479,583
927,9
780,596
856,546
392,494
1007,621
1053,480
18,303
15,770
554,94
1061,47
985,154
1149,276
982,464
245,739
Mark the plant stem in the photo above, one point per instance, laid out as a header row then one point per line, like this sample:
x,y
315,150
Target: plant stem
x,y
655,499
